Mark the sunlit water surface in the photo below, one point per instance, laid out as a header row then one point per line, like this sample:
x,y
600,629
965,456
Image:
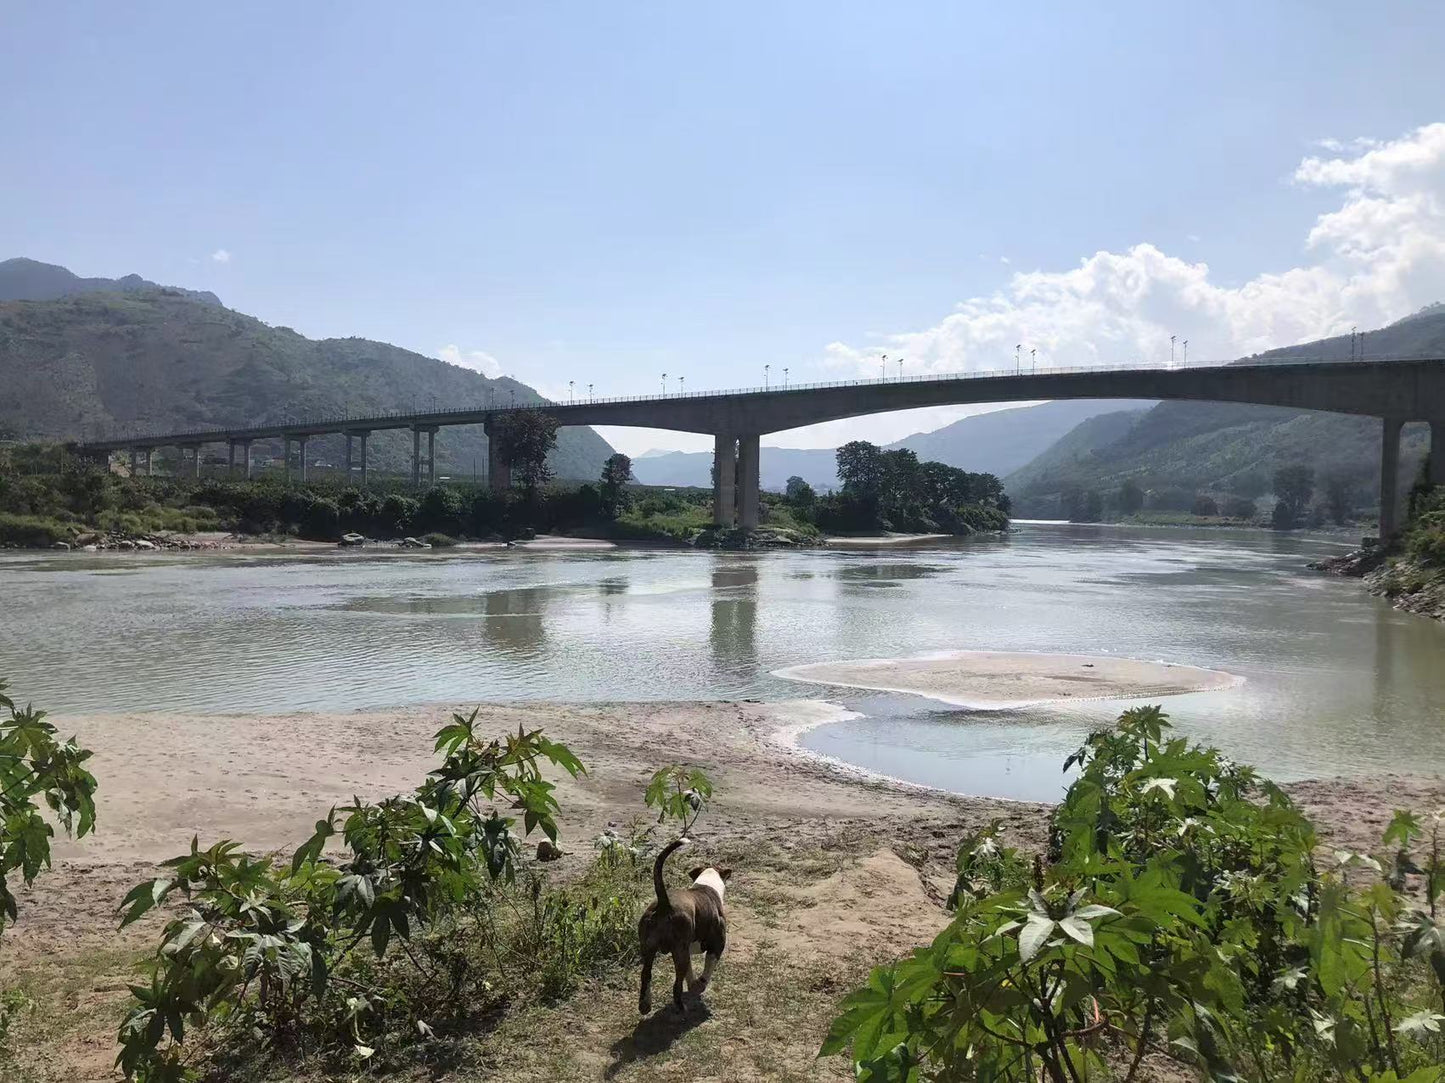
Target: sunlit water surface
x,y
1336,681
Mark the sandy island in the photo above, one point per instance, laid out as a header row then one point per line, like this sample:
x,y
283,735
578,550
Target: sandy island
x,y
834,869
994,680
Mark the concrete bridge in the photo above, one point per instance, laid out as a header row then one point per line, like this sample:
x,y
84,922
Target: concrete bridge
x,y
1394,390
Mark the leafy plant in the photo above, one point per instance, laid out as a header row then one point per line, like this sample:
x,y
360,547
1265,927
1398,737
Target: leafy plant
x,y
259,947
680,793
1179,913
35,765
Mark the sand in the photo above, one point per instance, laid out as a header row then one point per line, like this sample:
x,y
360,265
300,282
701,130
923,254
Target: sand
x,y
995,680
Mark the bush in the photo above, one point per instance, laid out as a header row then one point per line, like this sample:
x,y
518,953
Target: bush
x,y
31,531
439,541
1179,911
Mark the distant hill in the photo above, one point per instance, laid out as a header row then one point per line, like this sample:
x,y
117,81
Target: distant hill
x,y
1178,449
994,443
30,280
91,364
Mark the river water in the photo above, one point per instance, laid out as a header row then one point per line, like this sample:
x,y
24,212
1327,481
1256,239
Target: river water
x,y
1336,682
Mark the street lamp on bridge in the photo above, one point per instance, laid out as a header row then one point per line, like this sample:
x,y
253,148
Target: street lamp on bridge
x,y
883,368
682,385
570,396
765,376
785,377
664,385
1019,357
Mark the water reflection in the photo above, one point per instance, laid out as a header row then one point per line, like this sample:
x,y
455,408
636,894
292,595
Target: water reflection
x,y
733,631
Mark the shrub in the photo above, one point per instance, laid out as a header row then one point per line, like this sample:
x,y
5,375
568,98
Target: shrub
x,y
1179,911
439,541
33,764
31,531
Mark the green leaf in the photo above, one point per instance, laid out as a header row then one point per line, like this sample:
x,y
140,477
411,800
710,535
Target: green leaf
x,y
1034,935
1078,929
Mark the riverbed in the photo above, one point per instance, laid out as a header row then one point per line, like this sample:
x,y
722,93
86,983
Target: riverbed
x,y
1335,682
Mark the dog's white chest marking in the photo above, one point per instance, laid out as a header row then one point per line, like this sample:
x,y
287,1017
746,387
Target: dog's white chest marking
x,y
711,878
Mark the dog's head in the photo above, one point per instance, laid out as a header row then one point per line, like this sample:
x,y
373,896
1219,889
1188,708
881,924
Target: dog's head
x,y
710,876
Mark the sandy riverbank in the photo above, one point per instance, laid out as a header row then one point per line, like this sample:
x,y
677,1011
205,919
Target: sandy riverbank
x,y
1002,679
835,868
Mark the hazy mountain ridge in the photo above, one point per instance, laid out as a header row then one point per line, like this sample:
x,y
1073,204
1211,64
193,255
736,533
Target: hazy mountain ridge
x,y
24,279
993,443
1180,448
91,364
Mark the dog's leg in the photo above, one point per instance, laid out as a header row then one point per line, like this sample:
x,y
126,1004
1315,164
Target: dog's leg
x,y
707,966
682,960
644,999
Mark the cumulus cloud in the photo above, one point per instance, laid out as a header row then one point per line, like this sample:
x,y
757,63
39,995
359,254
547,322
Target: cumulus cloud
x,y
220,255
1379,256
476,360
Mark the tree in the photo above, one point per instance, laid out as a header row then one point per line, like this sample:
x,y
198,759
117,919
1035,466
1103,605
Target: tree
x,y
1293,486
616,473
1131,498
861,468
1337,490
524,439
1239,507
1205,506
799,493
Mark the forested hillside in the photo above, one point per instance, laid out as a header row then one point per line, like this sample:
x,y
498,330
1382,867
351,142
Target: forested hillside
x,y
90,364
1179,452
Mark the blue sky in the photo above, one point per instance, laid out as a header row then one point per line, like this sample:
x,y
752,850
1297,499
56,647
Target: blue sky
x,y
604,193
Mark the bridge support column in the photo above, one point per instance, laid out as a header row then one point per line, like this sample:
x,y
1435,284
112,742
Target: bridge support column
x,y
301,456
286,456
415,455
230,458
1437,451
150,461
135,462
748,478
195,450
247,466
499,471
348,458
431,456
724,480
363,436
1390,478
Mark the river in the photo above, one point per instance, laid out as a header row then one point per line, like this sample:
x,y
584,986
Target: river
x,y
1336,682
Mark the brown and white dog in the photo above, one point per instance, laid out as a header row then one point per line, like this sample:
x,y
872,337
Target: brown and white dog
x,y
677,921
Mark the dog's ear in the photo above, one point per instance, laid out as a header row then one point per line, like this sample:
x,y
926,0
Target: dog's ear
x,y
693,874
725,873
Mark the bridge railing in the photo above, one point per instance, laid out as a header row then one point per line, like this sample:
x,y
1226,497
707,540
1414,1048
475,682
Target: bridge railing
x,y
340,422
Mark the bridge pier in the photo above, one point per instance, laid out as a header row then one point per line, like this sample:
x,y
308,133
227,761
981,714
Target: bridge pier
x,y
1390,477
748,480
499,471
301,456
286,457
1437,451
430,474
724,480
135,462
245,446
195,450
431,456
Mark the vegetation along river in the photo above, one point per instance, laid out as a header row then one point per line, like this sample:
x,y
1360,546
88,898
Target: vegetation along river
x,y
1335,681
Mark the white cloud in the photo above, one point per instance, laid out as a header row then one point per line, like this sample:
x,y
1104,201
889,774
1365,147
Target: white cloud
x,y
220,255
1379,256
476,360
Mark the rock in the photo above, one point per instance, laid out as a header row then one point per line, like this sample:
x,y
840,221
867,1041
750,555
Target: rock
x,y
351,539
547,851
92,548
62,545
1353,565
125,543
87,539
413,543
141,543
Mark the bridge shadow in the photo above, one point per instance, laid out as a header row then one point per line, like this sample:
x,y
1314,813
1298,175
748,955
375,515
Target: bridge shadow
x,y
656,1034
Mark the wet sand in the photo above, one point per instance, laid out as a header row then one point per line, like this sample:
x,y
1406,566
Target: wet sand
x,y
996,680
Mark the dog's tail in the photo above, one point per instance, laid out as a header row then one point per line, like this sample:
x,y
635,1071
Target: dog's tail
x,y
663,903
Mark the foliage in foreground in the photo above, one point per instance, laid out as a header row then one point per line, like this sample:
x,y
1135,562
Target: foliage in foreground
x,y
429,926
34,765
1179,914
276,951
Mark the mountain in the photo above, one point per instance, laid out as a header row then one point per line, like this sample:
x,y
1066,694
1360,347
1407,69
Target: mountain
x,y
92,364
994,443
30,280
1179,449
